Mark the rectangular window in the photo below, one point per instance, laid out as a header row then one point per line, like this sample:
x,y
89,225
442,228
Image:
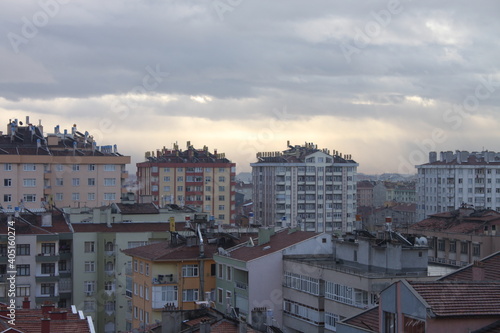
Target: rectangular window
x,y
91,167
453,246
166,178
88,306
109,196
59,167
29,182
222,179
75,196
91,196
109,181
75,181
59,197
29,167
220,296
7,198
23,249
29,197
89,266
190,270
23,270
229,270
89,287
59,182
7,182
476,250
89,247
91,181
464,248
76,167
190,295
147,269
22,291
48,288
49,248
220,271
48,268
7,167
166,188
440,245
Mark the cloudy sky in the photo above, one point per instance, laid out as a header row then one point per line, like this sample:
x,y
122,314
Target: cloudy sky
x,y
384,81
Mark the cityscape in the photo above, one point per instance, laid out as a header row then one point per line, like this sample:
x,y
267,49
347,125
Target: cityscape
x,y
236,166
304,243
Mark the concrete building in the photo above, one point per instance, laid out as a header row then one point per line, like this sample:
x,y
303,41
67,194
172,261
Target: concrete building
x,y
402,216
43,259
305,185
191,177
364,193
460,237
250,276
60,168
467,300
321,290
456,178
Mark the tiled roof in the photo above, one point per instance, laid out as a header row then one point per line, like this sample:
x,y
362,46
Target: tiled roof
x,y
491,267
164,252
367,320
225,326
29,321
466,222
278,242
31,225
460,298
137,208
121,227
491,328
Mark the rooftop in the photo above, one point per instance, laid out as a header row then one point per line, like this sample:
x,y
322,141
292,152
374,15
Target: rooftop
x,y
367,319
31,224
490,265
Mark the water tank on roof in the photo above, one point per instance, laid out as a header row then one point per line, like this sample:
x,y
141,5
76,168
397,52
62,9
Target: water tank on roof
x,y
421,241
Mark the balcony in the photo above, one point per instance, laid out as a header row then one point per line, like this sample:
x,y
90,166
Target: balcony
x,y
47,257
240,285
164,279
40,299
47,278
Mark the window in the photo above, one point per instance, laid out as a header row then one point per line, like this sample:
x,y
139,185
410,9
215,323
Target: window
x,y
220,296
7,198
331,321
222,179
48,288
229,270
147,269
23,270
23,249
389,322
109,167
110,306
221,207
440,245
476,250
190,295
75,181
90,196
141,267
221,271
464,248
89,286
222,188
7,167
89,247
91,167
29,182
89,266
22,291
109,181
166,294
48,268
59,167
180,179
453,246
29,197
136,265
301,282
166,188
88,305
91,181
29,167
76,167
49,248
190,270
59,182
166,178
109,286
75,196
7,182
109,196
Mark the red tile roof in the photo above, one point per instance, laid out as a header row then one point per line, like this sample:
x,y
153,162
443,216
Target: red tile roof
x,y
32,225
460,298
367,320
279,241
491,267
121,227
29,321
459,221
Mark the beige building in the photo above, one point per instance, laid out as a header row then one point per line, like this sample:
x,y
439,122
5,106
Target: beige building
x,y
62,168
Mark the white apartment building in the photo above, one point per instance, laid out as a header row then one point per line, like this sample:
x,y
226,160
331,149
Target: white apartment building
x,y
458,178
305,186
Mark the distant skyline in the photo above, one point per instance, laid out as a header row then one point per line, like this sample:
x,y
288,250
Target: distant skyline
x,y
383,81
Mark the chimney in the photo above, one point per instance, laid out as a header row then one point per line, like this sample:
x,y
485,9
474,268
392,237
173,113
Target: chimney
x,y
45,325
242,326
58,315
478,271
26,303
46,308
205,326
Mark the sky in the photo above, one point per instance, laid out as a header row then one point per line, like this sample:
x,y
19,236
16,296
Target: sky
x,y
383,81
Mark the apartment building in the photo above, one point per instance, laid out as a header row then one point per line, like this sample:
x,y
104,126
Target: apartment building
x,y
304,186
319,290
460,237
249,275
43,259
61,168
191,177
444,184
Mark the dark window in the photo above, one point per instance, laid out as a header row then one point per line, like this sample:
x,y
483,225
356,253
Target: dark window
x,y
213,270
23,270
23,249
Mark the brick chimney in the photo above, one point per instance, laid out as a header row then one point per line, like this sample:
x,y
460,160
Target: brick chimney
x,y
58,315
47,307
205,326
478,271
26,303
45,325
